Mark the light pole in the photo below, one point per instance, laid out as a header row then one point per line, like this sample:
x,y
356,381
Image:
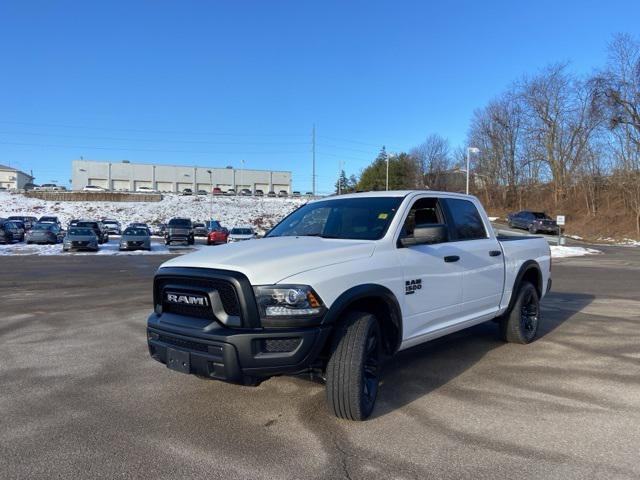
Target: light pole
x,y
241,167
387,187
470,150
210,196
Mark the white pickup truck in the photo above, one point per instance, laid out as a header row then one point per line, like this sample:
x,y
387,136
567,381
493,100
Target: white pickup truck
x,y
339,285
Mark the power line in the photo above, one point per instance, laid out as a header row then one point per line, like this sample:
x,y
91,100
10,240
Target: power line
x,y
130,139
155,131
94,147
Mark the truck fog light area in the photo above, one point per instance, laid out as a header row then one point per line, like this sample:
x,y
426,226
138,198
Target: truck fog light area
x,y
276,311
158,309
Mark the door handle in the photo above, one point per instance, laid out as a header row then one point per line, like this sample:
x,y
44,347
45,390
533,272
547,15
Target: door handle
x,y
495,253
451,258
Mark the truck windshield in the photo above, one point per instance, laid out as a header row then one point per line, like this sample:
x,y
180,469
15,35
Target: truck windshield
x,y
362,218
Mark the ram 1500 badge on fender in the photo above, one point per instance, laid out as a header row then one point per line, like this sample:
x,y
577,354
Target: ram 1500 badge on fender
x,y
342,283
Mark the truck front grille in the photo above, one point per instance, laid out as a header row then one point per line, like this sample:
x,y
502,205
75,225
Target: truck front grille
x,y
225,289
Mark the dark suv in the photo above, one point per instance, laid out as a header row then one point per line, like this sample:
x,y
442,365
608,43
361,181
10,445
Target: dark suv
x,y
179,230
533,221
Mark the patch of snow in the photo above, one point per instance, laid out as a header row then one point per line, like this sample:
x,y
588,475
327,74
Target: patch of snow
x,y
493,219
575,237
262,213
564,252
110,248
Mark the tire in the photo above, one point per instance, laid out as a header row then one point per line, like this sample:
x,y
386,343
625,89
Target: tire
x,y
353,368
192,241
520,324
532,229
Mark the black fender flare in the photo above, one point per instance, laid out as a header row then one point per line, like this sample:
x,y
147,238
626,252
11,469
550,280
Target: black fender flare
x,y
359,292
524,268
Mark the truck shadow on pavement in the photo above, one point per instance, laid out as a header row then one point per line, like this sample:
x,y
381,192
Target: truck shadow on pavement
x,y
418,371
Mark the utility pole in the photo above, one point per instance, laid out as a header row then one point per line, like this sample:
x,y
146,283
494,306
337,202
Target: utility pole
x,y
210,197
313,159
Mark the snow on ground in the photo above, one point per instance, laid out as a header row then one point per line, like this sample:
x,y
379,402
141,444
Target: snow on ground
x,y
263,213
493,219
563,251
110,248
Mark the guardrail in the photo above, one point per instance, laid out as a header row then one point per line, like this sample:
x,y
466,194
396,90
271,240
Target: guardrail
x,y
94,196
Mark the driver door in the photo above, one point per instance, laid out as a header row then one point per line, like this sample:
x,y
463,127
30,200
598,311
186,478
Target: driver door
x,y
432,275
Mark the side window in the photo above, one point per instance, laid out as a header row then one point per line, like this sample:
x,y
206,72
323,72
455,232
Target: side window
x,y
424,211
467,222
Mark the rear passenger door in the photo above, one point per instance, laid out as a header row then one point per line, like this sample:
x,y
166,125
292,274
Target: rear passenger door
x,y
481,260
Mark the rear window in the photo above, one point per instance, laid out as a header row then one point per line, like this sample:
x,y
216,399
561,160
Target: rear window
x,y
241,231
80,231
180,222
87,224
467,222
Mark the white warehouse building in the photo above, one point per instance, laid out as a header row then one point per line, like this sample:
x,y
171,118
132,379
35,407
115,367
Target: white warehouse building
x,y
128,176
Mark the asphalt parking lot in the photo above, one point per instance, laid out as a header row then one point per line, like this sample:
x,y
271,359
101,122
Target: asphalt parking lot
x,y
80,397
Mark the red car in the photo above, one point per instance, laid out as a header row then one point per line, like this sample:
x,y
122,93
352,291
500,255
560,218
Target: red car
x,y
217,233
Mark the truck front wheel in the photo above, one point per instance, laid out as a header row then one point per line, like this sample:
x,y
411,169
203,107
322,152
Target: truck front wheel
x,y
520,324
353,368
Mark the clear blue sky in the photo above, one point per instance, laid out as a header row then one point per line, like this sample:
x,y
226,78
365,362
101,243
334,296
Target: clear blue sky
x,y
213,83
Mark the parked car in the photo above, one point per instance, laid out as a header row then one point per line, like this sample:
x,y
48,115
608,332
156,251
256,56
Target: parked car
x,y
113,226
145,189
27,220
200,230
18,229
217,191
47,233
283,194
103,236
271,194
187,192
135,238
7,231
179,230
49,187
239,234
80,238
94,188
343,283
50,219
533,221
259,193
245,192
309,194
217,233
296,194
202,193
230,192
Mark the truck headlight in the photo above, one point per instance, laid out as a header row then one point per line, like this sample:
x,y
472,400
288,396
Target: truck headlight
x,y
277,303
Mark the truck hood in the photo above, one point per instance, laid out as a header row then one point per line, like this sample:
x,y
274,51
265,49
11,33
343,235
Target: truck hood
x,y
270,260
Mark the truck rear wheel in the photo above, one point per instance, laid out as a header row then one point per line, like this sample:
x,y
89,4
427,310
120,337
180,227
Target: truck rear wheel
x,y
353,368
520,324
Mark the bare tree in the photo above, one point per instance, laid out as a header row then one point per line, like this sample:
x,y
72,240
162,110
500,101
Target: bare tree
x,y
617,89
497,131
561,120
433,157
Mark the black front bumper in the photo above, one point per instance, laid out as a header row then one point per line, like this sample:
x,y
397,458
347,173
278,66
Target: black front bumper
x,y
234,355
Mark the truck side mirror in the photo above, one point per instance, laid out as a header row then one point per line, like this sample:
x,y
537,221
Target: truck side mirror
x,y
425,235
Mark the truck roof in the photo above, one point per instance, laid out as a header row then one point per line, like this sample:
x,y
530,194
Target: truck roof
x,y
393,193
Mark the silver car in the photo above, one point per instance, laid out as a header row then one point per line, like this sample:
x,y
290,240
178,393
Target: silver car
x,y
135,238
44,233
80,238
